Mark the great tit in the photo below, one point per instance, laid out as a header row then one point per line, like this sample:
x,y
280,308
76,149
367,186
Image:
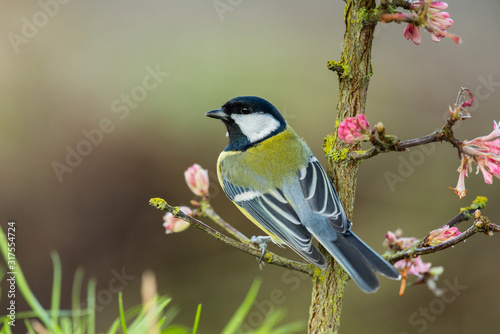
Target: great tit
x,y
275,180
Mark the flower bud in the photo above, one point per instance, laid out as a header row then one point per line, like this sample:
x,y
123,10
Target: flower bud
x,y
174,225
197,180
442,235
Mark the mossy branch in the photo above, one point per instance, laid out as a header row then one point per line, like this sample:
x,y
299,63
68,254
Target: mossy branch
x,y
248,248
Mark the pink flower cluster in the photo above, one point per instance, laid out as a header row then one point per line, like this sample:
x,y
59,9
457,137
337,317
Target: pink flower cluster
x,y
415,266
174,225
424,271
427,14
432,18
395,241
483,151
197,180
354,129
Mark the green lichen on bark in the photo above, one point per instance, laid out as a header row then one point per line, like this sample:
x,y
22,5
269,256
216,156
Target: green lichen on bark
x,y
478,204
337,156
341,68
327,319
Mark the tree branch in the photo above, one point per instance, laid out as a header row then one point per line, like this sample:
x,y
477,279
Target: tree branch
x,y
413,252
268,257
385,143
481,224
204,209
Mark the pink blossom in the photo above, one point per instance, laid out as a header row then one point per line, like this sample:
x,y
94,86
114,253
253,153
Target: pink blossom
x,y
483,151
441,22
428,15
413,32
479,141
174,225
354,129
415,266
493,166
493,146
439,5
395,240
390,238
197,180
442,234
488,177
412,266
464,166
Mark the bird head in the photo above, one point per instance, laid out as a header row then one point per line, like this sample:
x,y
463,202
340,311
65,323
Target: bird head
x,y
249,120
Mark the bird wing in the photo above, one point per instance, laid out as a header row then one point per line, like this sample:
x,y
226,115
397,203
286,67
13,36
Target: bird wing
x,y
273,212
321,195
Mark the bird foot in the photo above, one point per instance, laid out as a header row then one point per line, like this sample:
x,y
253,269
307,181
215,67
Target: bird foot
x,y
262,242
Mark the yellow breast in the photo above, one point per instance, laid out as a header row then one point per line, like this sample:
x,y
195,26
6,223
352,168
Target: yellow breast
x,y
267,164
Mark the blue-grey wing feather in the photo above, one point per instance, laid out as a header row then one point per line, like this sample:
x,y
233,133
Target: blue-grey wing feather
x,y
321,195
274,212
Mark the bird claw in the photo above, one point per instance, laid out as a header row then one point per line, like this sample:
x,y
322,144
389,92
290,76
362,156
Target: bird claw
x,y
262,242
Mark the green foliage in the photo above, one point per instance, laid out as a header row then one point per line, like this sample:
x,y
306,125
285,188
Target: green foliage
x,y
269,323
152,316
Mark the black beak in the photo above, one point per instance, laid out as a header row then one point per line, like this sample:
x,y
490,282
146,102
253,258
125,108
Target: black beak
x,y
217,113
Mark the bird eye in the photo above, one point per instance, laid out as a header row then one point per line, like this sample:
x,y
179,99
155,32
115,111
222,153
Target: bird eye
x,y
246,110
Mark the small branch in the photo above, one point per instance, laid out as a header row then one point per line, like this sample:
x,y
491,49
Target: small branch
x,y
269,257
362,155
385,12
385,4
204,209
414,251
432,138
481,224
398,146
466,213
385,143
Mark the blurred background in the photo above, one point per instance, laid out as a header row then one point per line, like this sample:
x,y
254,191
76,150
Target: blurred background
x,y
70,69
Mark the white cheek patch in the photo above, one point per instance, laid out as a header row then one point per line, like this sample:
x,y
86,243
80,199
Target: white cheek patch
x,y
256,126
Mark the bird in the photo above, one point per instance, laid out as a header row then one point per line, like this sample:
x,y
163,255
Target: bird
x,y
272,176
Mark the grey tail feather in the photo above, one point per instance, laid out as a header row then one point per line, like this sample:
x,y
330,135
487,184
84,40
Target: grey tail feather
x,y
354,263
358,260
377,262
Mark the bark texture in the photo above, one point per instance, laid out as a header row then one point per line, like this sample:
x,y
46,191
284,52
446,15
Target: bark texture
x,y
354,71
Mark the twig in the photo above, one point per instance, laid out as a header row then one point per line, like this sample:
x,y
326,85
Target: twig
x,y
269,257
384,4
398,146
205,209
465,214
481,224
384,143
413,252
